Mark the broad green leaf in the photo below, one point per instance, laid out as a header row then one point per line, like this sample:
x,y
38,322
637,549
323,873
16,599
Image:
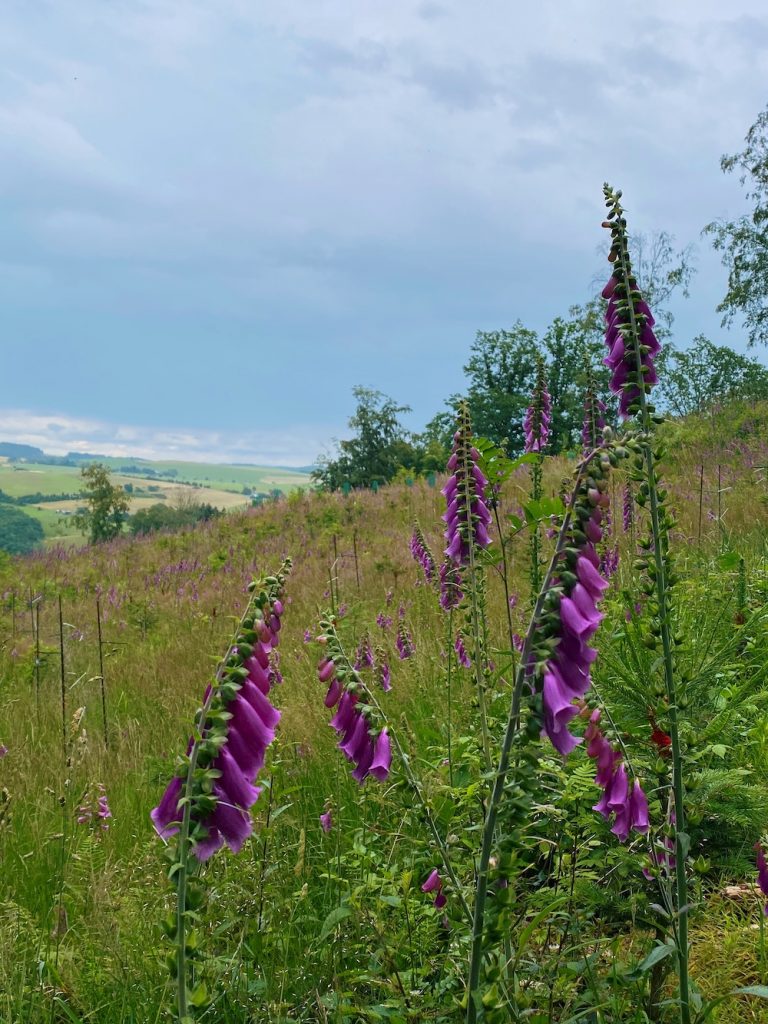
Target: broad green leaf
x,y
335,917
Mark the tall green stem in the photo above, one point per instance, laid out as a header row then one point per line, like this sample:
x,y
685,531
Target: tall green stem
x,y
662,596
513,721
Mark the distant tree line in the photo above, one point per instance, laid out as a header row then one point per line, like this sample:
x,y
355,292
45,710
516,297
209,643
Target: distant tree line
x,y
166,517
36,498
501,366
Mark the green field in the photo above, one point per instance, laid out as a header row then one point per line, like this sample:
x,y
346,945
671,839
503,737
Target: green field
x,y
220,476
219,485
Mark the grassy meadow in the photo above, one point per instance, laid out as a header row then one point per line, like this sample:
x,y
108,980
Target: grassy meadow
x,y
215,484
313,926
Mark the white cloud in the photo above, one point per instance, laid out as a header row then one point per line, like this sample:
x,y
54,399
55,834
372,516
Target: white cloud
x,y
57,435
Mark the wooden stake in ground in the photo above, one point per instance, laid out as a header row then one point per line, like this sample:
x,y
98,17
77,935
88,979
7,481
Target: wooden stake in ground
x,y
101,675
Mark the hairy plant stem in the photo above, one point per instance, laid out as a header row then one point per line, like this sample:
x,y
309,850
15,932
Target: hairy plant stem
x,y
513,722
662,596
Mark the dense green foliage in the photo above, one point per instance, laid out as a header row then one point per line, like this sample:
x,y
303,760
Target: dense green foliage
x,y
106,505
744,242
306,926
705,375
166,517
19,533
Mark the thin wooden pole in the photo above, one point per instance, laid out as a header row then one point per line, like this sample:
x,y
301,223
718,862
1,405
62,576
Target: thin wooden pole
x,y
63,677
357,567
101,675
701,497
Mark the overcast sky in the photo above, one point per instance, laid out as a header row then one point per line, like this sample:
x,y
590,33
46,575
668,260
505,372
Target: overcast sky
x,y
219,215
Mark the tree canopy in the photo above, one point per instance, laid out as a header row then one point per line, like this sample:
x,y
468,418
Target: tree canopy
x,y
106,504
743,242
19,533
376,449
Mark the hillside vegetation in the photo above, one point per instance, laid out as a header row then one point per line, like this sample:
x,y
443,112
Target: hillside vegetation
x,y
309,925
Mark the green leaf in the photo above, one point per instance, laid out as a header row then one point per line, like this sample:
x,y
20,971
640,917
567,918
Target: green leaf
x,y
535,511
335,917
685,844
728,561
657,954
761,991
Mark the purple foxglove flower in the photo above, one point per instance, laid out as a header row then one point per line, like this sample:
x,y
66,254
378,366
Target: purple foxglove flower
x,y
609,562
467,517
383,621
434,884
382,757
422,554
638,809
628,508
385,679
326,821
461,652
630,357
404,643
249,731
333,694
451,593
3,751
762,873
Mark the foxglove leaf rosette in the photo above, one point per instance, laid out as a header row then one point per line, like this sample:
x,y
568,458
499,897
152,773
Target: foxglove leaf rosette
x,y
237,725
467,517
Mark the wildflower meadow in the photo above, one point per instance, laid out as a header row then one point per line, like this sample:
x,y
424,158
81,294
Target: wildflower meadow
x,y
487,746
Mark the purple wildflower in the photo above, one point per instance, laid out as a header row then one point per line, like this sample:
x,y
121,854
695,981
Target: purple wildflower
x,y
609,562
539,414
404,642
382,670
364,654
628,508
249,730
573,616
630,353
383,621
434,884
3,751
451,593
422,554
762,873
461,652
628,806
307,636
326,820
371,754
467,518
